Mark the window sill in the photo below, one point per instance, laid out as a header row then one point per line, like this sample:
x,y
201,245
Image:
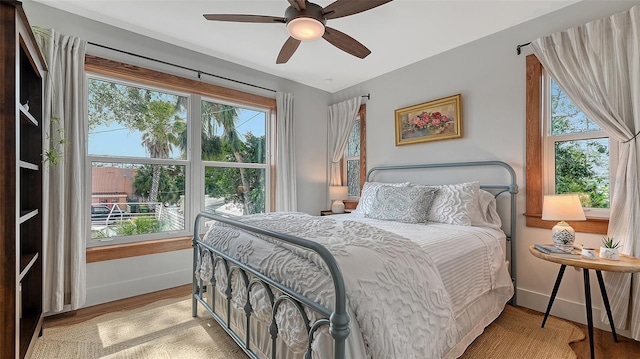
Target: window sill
x,y
127,250
591,225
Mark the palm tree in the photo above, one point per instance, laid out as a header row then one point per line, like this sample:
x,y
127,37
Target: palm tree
x,y
159,135
226,116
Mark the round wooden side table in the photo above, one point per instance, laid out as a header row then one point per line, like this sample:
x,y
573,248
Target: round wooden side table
x,y
626,264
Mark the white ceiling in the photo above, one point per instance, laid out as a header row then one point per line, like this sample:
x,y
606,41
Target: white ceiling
x,y
398,33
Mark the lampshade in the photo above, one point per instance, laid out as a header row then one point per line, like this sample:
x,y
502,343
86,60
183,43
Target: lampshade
x,y
305,28
338,192
562,207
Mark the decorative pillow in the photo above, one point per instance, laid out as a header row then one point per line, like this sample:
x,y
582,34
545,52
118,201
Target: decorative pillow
x,y
402,204
369,192
454,203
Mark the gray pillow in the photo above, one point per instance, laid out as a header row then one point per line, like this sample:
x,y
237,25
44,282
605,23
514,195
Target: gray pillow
x,y
402,204
369,192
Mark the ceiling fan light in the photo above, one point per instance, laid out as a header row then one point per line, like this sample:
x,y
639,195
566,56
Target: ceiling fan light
x,y
305,28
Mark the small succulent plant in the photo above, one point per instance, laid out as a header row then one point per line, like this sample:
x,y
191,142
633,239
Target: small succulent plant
x,y
608,242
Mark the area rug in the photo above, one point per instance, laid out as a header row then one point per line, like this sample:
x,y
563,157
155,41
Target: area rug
x,y
165,329
517,334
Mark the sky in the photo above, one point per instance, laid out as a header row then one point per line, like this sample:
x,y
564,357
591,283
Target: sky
x,y
116,140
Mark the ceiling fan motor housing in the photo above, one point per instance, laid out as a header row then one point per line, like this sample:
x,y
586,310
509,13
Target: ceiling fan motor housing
x,y
312,11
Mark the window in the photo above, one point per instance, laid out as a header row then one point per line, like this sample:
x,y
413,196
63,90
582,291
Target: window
x,y
566,153
353,163
577,153
146,181
137,145
234,153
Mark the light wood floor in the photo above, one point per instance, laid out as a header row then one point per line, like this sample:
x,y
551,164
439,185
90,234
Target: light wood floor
x,y
606,348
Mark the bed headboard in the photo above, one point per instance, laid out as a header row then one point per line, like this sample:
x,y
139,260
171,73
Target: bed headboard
x,y
498,184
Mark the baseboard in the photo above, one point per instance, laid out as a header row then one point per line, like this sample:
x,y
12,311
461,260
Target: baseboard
x,y
137,286
565,309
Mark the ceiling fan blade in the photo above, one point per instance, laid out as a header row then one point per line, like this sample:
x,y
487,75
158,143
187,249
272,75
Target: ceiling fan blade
x,y
342,8
244,18
345,43
298,4
290,46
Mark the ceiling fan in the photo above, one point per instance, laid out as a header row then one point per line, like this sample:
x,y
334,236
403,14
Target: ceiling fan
x,y
306,21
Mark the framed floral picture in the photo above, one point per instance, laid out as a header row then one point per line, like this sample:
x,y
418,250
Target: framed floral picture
x,y
430,121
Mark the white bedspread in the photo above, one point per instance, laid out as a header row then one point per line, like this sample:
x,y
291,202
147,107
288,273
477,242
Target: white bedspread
x,y
470,260
405,284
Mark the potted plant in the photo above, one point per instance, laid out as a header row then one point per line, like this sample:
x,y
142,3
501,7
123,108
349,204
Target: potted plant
x,y
609,249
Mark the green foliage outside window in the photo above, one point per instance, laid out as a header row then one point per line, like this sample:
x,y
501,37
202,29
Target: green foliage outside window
x,y
581,166
222,142
139,225
170,187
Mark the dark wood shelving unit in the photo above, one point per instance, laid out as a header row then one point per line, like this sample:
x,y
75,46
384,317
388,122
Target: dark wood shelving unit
x,y
29,166
26,262
21,135
27,117
27,215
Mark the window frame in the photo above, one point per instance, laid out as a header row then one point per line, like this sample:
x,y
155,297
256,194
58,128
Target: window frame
x,y
352,202
535,144
195,90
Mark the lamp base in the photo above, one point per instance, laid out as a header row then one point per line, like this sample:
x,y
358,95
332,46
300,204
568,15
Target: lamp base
x,y
563,235
337,206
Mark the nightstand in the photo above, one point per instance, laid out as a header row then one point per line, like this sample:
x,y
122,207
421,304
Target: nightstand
x,y
626,264
328,212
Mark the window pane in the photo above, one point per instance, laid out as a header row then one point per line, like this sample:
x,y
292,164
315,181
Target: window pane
x,y
136,122
565,116
234,191
125,202
353,145
353,177
233,134
582,167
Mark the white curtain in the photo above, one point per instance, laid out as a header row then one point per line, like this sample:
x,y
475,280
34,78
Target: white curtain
x,y
286,198
598,66
342,117
64,182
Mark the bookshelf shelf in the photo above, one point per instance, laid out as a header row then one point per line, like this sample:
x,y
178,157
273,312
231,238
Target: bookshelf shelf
x,y
21,247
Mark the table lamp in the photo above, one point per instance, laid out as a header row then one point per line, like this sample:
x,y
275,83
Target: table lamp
x,y
562,207
337,194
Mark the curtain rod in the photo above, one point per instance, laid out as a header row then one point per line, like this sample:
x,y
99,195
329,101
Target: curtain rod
x,y
518,51
368,96
199,72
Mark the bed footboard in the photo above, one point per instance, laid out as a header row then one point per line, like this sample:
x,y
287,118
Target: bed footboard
x,y
337,320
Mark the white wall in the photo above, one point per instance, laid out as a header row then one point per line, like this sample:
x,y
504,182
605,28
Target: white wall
x,y
491,78
111,280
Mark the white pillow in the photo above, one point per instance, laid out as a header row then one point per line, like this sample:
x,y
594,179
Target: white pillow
x,y
485,212
454,203
402,204
369,192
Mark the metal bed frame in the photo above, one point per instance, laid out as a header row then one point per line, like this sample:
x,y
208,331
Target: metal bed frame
x,y
338,319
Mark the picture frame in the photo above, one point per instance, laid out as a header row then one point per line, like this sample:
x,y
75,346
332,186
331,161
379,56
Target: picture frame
x,y
430,121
